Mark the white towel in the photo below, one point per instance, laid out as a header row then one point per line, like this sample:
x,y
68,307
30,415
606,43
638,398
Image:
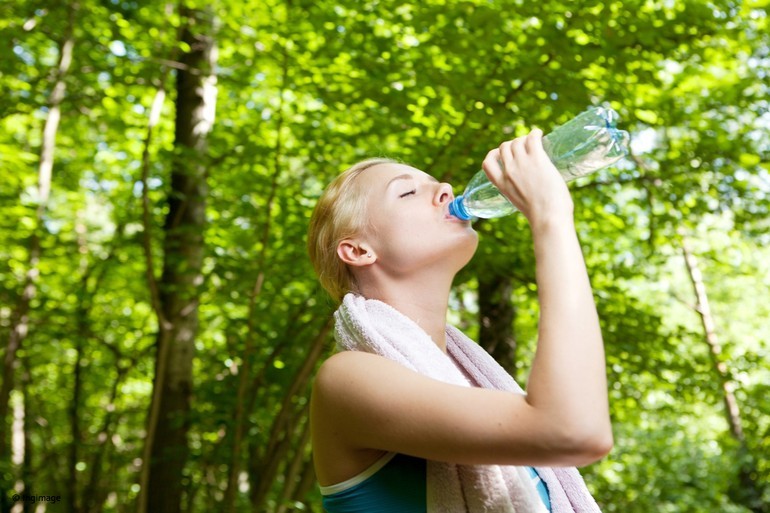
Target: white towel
x,y
373,326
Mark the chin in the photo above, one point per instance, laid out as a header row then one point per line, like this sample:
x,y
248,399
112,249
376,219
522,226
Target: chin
x,y
464,252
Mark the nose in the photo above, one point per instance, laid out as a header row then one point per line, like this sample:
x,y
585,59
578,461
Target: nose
x,y
443,194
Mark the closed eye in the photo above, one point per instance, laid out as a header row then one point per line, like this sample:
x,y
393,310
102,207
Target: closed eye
x,y
413,191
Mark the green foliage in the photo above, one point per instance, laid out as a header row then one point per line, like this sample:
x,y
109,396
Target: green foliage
x,y
304,90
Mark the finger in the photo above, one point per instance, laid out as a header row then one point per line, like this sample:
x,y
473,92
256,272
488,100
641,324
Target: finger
x,y
507,159
492,155
518,147
534,141
491,165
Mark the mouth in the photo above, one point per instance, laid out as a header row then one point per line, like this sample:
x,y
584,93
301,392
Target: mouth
x,y
454,219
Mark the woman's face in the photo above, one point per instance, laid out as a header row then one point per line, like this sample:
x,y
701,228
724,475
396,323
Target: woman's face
x,y
409,226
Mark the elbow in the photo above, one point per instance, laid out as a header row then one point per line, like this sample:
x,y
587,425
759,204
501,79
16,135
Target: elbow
x,y
582,446
596,447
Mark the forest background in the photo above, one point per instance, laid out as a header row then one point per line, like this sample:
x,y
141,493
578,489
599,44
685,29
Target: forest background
x,y
159,163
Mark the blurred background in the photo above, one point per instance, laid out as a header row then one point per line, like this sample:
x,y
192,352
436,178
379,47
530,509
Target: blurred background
x,y
160,322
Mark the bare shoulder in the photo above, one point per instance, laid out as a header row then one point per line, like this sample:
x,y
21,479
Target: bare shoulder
x,y
345,381
341,393
355,382
343,360
347,368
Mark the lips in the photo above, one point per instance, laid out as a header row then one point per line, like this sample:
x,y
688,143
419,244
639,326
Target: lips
x,y
450,217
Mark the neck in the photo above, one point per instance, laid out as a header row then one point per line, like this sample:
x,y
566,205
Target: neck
x,y
424,299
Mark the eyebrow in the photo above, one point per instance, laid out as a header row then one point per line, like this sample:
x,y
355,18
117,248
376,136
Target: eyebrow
x,y
407,176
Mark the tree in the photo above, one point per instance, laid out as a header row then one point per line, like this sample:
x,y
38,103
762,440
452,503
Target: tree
x,y
749,492
20,322
177,294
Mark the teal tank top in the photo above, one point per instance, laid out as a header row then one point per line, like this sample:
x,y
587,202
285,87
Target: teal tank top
x,y
396,483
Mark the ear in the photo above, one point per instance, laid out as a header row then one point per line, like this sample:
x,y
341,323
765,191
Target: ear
x,y
353,253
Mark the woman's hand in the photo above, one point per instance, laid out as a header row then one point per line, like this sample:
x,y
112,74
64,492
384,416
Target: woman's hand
x,y
529,179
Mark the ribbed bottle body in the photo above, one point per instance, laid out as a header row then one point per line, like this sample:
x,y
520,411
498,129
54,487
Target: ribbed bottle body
x,y
585,144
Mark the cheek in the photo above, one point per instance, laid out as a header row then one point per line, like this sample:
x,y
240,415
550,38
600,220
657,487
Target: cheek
x,y
413,244
399,240
405,241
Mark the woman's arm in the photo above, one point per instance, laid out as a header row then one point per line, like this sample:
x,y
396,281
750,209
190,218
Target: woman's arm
x,y
568,376
363,401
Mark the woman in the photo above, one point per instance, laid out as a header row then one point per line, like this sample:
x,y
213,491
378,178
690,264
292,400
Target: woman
x,y
383,232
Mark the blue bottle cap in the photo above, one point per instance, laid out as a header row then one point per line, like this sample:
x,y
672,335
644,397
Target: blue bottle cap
x,y
457,209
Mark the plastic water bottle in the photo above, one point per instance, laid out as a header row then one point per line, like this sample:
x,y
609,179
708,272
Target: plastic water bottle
x,y
586,143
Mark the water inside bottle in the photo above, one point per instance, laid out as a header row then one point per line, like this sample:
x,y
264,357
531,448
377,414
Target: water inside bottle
x,y
485,201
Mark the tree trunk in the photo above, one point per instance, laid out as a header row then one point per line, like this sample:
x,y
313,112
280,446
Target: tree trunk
x,y
294,469
245,404
264,466
95,493
20,316
240,401
748,492
496,316
74,414
306,485
178,288
21,444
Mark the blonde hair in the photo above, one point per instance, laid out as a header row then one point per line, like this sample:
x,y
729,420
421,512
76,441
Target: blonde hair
x,y
339,214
